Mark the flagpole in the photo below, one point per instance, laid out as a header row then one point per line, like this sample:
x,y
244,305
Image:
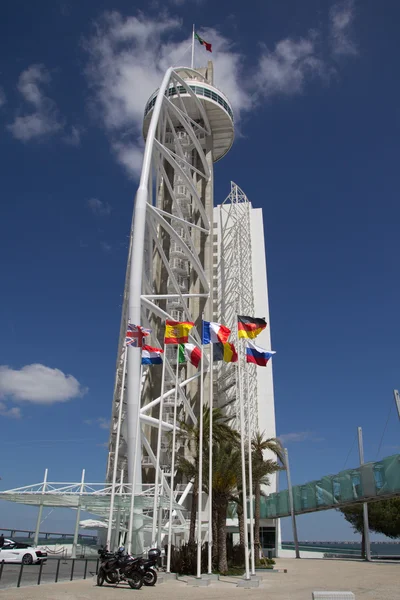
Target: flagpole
x,y
192,62
171,492
253,566
210,466
153,533
138,442
159,527
200,478
242,449
116,450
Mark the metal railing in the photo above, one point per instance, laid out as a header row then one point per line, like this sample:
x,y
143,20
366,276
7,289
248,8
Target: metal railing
x,y
51,570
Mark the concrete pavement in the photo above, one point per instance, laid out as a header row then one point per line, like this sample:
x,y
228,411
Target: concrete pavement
x,y
368,581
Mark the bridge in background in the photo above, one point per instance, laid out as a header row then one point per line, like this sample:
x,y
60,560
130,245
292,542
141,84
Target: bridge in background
x,y
367,483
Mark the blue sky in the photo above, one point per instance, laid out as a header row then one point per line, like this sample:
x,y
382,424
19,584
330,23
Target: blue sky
x,y
316,96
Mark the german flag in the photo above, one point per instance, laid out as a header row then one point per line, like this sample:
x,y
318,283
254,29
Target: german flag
x,y
177,332
249,327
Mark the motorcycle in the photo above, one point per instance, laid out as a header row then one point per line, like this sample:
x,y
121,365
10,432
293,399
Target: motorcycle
x,y
147,569
118,567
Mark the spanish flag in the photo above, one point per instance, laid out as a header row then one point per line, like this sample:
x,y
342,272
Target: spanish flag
x,y
224,351
177,332
249,327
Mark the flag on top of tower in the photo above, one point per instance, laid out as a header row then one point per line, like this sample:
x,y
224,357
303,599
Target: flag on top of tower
x,y
250,327
257,355
177,332
206,45
226,352
151,356
212,333
135,334
189,352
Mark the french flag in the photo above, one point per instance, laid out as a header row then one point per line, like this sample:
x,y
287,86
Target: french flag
x,y
256,355
213,333
151,356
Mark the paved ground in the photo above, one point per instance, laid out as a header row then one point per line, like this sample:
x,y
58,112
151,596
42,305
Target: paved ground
x,y
367,581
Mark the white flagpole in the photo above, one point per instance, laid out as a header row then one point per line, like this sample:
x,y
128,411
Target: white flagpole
x,y
249,450
117,440
153,533
159,528
171,491
242,436
192,62
210,459
200,478
138,446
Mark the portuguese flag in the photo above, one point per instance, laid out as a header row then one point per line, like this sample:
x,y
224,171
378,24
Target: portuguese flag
x,y
203,42
250,327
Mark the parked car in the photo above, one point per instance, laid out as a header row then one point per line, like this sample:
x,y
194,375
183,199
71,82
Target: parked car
x,y
17,552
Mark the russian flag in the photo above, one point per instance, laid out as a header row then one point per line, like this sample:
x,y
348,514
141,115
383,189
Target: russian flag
x,y
257,355
213,333
151,356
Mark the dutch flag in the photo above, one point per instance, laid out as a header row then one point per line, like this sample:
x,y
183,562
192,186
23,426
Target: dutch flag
x,y
151,356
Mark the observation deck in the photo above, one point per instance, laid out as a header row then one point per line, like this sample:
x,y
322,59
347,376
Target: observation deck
x,y
216,104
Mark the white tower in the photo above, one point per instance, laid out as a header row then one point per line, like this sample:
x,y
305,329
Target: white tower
x,y
188,125
187,261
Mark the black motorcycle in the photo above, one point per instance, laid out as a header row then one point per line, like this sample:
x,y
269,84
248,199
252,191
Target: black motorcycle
x,y
147,569
117,567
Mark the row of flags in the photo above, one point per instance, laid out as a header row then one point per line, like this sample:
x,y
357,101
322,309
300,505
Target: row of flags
x,y
177,332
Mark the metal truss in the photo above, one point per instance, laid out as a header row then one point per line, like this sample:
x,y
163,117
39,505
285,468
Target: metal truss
x,y
176,265
91,497
235,295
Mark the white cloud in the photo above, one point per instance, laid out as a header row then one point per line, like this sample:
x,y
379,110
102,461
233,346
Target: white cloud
x,y
106,247
181,2
14,412
287,68
29,84
127,60
45,119
130,156
300,436
3,98
38,384
341,18
102,422
73,138
102,209
32,126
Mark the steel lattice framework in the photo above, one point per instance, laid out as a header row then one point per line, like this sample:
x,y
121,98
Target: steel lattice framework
x,y
188,125
235,295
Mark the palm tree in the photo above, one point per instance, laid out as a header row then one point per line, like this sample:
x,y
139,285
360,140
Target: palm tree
x,y
226,457
261,469
189,465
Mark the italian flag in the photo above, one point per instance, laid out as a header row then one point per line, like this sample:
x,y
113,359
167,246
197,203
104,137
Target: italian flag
x,y
203,42
189,353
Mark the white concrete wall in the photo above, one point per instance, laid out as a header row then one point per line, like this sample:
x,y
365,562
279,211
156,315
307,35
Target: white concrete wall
x,y
265,387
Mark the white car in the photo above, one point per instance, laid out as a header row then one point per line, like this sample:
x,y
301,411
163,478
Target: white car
x,y
16,552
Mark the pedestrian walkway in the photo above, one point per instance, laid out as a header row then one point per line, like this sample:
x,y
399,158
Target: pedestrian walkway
x,y
368,581
371,481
